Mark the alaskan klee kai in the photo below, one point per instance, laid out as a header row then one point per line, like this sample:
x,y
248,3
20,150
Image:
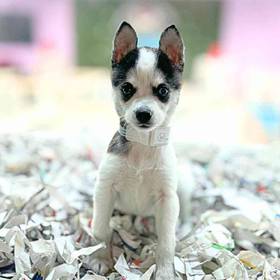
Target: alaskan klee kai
x,y
139,174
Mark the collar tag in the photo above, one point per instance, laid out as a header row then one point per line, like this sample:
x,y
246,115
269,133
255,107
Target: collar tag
x,y
160,136
157,137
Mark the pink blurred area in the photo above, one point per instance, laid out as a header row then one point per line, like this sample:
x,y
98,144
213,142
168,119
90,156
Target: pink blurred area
x,y
52,29
250,32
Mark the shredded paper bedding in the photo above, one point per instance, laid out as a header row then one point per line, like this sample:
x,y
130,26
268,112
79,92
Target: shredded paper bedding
x,y
46,188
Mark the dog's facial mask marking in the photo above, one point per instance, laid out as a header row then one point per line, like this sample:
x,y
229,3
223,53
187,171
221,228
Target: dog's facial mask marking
x,y
146,81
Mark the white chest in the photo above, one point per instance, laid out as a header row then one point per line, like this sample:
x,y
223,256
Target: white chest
x,y
136,192
140,178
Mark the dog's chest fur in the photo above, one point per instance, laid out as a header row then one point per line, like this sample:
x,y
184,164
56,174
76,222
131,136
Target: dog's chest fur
x,y
135,192
141,176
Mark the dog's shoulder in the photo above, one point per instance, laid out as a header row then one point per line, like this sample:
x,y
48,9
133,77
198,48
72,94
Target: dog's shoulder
x,y
119,145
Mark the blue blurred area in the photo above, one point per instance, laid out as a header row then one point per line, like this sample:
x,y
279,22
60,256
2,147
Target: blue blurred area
x,y
148,39
269,116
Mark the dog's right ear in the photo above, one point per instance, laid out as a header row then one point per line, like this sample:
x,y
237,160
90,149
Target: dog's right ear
x,y
124,42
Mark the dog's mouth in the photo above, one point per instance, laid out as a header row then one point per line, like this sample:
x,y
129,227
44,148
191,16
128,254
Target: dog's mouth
x,y
144,125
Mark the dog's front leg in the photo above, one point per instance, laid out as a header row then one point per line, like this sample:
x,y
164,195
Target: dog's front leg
x,y
103,208
167,212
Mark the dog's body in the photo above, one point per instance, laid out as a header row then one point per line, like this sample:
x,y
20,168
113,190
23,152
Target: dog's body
x,y
139,176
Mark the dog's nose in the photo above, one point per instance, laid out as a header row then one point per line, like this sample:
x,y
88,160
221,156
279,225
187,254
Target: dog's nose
x,y
143,115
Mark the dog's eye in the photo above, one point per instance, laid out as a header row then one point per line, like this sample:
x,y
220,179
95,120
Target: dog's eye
x,y
127,90
162,92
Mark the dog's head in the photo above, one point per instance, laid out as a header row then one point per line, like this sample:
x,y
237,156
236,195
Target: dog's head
x,y
146,81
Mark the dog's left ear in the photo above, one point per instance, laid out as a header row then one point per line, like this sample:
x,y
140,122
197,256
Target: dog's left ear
x,y
124,42
172,45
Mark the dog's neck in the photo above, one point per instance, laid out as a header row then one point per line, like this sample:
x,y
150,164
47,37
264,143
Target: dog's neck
x,y
127,142
141,156
154,138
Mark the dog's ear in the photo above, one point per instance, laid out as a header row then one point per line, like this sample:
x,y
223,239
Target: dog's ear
x,y
124,42
172,45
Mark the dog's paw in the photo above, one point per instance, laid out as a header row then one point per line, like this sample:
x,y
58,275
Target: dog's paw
x,y
100,266
165,273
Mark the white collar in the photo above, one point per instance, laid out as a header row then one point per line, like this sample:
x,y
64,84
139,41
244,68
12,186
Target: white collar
x,y
156,137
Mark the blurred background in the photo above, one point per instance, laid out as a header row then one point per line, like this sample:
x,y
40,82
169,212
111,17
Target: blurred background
x,y
55,66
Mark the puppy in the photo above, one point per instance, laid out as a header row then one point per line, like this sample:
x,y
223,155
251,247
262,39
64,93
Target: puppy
x,y
138,174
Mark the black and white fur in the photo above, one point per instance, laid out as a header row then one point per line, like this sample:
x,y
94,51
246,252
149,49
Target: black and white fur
x,y
133,177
